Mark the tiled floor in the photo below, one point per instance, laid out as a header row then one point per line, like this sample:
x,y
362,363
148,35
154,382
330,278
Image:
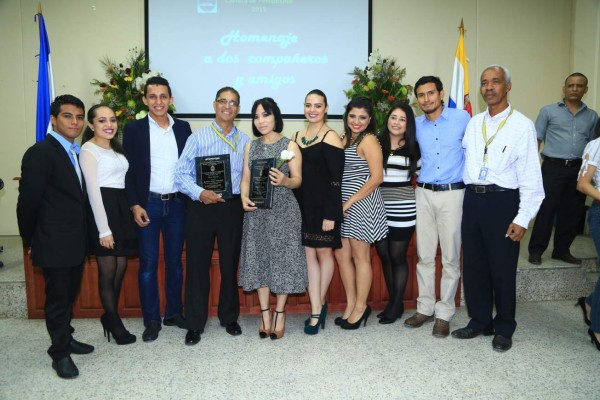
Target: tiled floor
x,y
552,358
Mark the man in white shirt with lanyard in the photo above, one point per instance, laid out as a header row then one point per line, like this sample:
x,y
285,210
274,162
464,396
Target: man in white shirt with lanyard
x,y
504,192
211,215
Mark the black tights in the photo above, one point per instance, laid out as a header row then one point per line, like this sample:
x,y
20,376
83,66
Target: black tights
x,y
111,271
395,271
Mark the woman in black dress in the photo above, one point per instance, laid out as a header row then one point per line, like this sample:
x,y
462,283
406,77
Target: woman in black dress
x,y
401,160
112,230
320,201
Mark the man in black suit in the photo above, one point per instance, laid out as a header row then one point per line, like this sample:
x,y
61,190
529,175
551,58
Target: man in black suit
x,y
52,222
153,146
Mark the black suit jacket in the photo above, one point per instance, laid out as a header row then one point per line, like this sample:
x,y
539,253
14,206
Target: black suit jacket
x,y
51,209
136,142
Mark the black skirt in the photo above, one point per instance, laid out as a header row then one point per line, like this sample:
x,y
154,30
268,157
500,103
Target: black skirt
x,y
120,222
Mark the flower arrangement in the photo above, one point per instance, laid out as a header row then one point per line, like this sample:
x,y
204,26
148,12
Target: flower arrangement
x,y
124,88
381,81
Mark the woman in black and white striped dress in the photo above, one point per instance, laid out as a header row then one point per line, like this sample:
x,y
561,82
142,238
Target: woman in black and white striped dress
x,y
401,161
364,211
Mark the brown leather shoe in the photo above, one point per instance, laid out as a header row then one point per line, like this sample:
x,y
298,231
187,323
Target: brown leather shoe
x,y
441,328
417,320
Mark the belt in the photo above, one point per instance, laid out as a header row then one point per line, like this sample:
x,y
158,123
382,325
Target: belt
x,y
488,188
442,187
567,163
165,197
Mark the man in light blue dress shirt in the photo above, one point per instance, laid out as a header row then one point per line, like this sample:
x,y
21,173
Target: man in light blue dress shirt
x,y
439,197
565,128
210,215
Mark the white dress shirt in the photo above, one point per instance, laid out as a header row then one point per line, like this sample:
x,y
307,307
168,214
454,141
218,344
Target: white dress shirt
x,y
163,157
512,159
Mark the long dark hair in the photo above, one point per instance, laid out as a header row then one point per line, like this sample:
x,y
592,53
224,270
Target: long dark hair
x,y
410,138
88,133
364,103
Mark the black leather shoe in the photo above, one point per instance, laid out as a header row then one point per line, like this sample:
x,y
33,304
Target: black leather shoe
x,y
233,328
80,348
568,258
178,321
192,337
151,332
65,368
501,343
535,259
468,333
384,320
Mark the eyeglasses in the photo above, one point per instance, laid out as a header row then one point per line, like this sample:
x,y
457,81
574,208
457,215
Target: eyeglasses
x,y
225,102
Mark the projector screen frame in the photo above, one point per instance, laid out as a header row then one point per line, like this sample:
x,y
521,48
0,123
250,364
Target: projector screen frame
x,y
331,116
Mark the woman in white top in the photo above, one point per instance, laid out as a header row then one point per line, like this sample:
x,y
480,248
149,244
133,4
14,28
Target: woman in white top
x,y
589,183
112,231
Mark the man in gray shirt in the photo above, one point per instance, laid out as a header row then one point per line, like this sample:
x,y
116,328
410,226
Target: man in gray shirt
x,y
565,128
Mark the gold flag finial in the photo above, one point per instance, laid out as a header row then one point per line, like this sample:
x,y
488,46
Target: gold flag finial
x,y
39,7
461,28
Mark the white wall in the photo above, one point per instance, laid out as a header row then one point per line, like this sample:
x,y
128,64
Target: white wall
x,y
540,41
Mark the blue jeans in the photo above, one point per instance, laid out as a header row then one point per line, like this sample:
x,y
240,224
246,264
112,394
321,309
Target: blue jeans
x,y
594,299
168,217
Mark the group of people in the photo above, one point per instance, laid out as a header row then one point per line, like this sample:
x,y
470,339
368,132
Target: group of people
x,y
478,185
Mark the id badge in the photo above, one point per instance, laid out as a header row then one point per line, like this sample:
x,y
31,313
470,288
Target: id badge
x,y
483,173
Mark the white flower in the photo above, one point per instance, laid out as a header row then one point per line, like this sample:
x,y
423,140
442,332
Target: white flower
x,y
374,59
285,156
140,81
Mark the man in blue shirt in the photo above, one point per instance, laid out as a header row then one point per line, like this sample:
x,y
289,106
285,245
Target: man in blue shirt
x,y
565,128
439,196
210,215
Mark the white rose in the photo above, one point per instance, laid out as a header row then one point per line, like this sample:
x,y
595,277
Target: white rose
x,y
285,156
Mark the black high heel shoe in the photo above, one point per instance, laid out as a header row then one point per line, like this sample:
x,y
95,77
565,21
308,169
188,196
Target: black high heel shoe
x,y
339,321
323,315
356,325
314,329
581,303
594,339
119,333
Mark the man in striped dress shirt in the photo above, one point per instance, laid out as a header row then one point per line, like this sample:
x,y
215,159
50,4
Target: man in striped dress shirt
x,y
211,216
504,192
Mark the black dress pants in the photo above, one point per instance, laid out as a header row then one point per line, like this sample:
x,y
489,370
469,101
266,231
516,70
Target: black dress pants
x,y
563,202
62,286
490,260
203,224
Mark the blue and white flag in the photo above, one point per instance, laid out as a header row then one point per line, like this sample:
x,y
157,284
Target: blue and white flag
x,y
45,91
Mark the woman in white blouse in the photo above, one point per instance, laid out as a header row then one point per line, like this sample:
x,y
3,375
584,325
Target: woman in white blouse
x,y
112,230
589,183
